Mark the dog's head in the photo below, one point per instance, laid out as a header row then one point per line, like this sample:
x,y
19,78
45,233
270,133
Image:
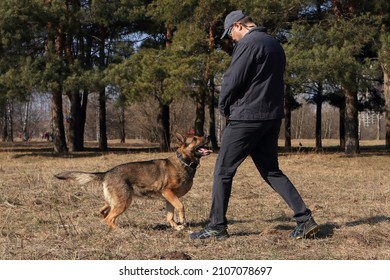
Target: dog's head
x,y
192,148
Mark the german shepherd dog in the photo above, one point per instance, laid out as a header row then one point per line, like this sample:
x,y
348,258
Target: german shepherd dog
x,y
169,178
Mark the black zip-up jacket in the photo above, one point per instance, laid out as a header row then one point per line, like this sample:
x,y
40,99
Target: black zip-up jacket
x,y
253,87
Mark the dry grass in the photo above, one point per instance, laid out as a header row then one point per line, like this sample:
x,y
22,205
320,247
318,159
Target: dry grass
x,y
43,218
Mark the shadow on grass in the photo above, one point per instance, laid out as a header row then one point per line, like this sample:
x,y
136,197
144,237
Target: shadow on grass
x,y
165,227
280,219
326,230
369,221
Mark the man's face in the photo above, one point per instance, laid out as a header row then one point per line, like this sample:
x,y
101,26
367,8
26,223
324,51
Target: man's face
x,y
235,32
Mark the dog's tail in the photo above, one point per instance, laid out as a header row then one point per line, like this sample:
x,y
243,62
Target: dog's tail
x,y
81,177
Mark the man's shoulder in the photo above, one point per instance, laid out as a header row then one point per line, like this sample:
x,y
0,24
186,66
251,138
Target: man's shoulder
x,y
259,29
259,32
259,38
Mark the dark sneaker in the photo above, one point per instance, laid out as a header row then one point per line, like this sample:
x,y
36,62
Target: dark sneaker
x,y
305,230
208,232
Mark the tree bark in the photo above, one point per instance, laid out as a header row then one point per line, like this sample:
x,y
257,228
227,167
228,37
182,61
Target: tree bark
x,y
200,113
342,126
122,123
76,122
164,127
9,120
319,101
83,116
386,92
102,121
169,35
58,122
4,119
351,123
211,87
26,116
300,119
102,95
212,123
337,9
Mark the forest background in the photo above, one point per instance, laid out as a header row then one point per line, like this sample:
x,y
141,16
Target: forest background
x,y
78,70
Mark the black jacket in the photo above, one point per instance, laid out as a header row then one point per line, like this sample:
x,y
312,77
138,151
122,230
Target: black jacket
x,y
253,87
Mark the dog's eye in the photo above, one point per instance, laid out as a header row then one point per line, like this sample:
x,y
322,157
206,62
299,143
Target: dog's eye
x,y
194,139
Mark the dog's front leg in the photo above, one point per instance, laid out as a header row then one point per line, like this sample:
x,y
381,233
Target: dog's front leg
x,y
174,203
170,216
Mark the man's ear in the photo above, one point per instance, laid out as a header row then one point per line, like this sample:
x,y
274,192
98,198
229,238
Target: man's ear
x,y
180,137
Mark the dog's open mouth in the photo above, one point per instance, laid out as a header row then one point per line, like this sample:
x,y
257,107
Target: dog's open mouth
x,y
203,150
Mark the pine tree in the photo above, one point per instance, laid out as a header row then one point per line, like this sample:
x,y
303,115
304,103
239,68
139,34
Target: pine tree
x,y
196,44
329,55
18,48
353,32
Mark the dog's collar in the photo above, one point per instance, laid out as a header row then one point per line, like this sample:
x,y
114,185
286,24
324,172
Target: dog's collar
x,y
186,162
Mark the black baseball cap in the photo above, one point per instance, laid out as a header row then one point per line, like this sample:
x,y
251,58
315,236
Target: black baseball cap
x,y
231,18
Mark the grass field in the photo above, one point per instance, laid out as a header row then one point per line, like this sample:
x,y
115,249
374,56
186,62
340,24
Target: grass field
x,y
43,218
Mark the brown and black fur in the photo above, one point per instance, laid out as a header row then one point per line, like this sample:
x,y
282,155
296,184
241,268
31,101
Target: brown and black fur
x,y
170,178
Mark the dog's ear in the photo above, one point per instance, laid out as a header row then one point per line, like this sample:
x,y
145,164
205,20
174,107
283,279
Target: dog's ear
x,y
181,138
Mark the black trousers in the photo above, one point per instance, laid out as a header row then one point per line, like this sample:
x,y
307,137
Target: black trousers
x,y
260,141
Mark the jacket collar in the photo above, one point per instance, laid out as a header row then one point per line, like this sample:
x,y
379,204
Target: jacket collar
x,y
258,29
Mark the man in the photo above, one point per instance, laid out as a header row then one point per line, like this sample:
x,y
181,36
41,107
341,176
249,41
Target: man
x,y
252,100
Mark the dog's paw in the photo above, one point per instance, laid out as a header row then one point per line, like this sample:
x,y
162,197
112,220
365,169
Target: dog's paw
x,y
179,227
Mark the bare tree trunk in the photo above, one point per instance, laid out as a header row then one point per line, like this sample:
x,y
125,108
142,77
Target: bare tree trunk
x,y
212,128
102,121
122,124
9,120
102,96
337,9
163,127
351,123
76,125
26,115
76,122
300,118
4,128
378,126
328,128
386,92
83,117
58,122
56,36
342,127
211,88
319,101
200,113
169,35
